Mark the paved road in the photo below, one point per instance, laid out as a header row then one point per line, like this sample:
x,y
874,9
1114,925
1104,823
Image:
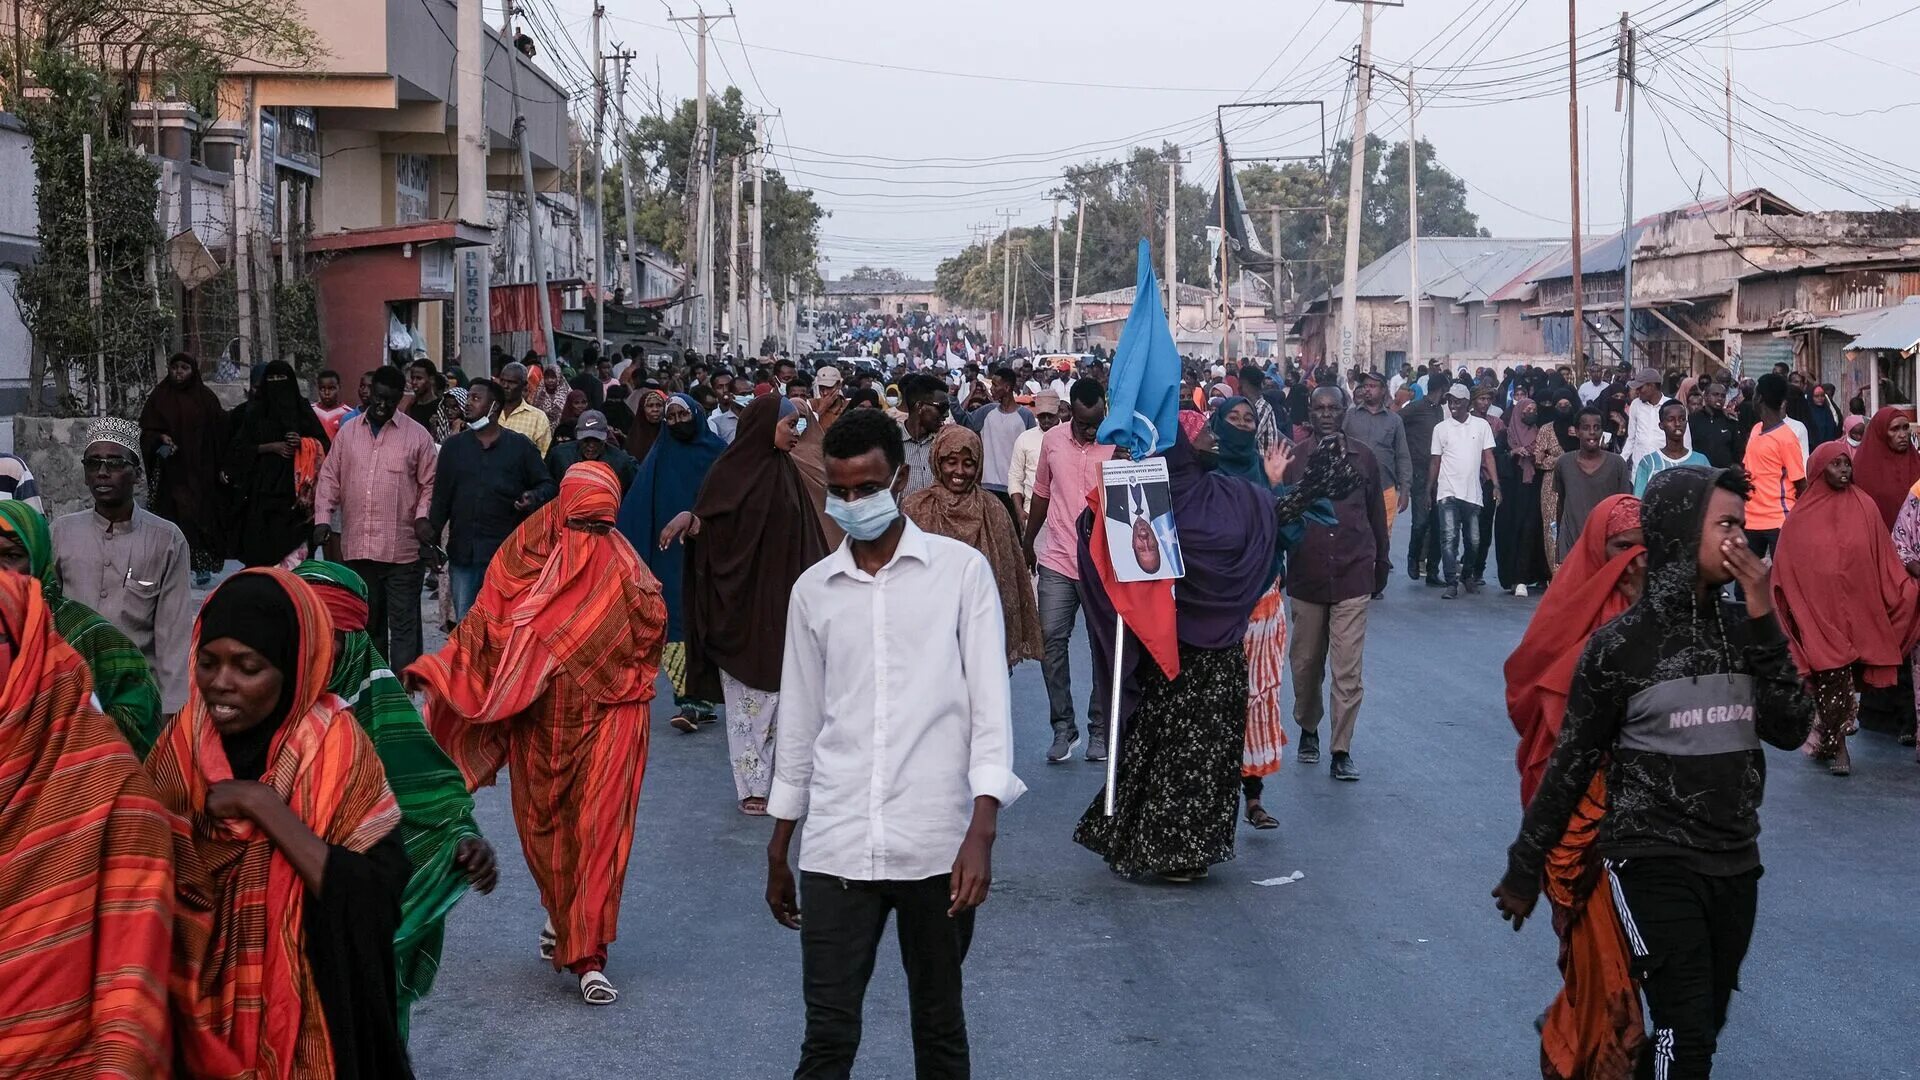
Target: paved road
x,y
1385,961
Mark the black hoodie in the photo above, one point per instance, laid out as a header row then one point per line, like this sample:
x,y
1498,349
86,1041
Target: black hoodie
x,y
1674,696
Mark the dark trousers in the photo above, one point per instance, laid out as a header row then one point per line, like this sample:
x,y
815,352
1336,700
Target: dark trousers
x,y
1688,932
1477,560
393,608
1059,602
839,941
1459,539
1422,514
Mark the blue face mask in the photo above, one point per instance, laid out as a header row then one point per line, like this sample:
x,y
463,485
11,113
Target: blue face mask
x,y
864,519
743,400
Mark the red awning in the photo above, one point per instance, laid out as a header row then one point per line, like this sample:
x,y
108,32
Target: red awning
x,y
511,308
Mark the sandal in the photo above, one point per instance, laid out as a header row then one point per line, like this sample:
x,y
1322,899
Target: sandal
x,y
754,806
1258,817
596,989
684,722
549,941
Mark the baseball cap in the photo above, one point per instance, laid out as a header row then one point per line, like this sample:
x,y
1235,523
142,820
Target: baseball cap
x,y
1373,376
591,425
827,378
1644,377
1459,392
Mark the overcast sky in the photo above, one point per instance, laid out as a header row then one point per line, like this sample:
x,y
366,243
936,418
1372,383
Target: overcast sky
x,y
910,161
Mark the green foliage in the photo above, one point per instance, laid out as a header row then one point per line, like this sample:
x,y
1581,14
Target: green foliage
x,y
296,325
1123,200
664,194
131,322
1314,247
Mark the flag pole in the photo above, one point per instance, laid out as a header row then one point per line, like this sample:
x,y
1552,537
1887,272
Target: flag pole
x,y
1113,707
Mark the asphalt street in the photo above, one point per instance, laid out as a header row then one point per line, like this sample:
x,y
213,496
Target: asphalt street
x,y
1382,958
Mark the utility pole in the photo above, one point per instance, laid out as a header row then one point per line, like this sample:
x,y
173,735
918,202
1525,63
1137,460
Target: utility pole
x,y
1356,188
756,276
599,195
1627,77
703,214
1413,229
626,185
1079,233
1226,312
1006,287
1055,343
1573,157
1273,226
733,265
1168,252
536,255
473,341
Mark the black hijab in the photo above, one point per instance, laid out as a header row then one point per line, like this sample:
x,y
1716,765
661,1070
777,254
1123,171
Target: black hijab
x,y
255,611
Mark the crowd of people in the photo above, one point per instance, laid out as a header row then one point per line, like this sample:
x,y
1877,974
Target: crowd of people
x,y
271,801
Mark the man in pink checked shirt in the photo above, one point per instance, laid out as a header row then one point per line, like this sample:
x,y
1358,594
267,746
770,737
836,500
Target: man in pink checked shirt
x,y
379,477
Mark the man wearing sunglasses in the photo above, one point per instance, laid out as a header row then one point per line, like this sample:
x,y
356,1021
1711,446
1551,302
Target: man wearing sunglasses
x,y
131,566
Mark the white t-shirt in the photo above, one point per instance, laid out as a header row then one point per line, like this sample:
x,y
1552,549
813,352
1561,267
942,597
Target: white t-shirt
x,y
1460,447
1590,391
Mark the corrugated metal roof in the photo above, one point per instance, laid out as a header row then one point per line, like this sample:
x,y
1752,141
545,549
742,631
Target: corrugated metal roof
x,y
1896,328
1440,257
1474,280
1609,255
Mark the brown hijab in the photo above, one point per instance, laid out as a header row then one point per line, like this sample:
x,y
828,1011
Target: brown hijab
x,y
758,533
976,518
641,435
810,457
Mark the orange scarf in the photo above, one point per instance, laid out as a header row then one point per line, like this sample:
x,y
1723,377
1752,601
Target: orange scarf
x,y
86,889
244,1001
306,471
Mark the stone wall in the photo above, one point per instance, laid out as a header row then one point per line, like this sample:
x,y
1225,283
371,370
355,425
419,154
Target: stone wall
x,y
52,448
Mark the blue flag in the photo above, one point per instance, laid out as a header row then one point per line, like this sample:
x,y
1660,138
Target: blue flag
x,y
1143,387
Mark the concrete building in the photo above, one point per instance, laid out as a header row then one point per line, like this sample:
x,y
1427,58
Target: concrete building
x,y
853,296
1745,288
19,246
361,150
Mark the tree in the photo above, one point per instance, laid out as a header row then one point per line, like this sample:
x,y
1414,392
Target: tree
x,y
1313,244
884,273
662,150
1123,201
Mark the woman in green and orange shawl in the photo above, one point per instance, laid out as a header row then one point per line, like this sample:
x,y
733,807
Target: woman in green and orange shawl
x,y
121,678
436,813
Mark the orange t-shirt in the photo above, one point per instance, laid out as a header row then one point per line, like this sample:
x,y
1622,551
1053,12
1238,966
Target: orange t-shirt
x,y
1774,462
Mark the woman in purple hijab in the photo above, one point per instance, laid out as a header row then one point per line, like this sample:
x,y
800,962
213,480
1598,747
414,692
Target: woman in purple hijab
x,y
1180,742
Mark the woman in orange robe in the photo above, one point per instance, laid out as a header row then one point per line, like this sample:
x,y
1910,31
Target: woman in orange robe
x,y
551,675
86,881
1593,1029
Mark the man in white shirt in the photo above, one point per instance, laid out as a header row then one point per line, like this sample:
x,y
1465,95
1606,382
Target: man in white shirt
x,y
896,745
1026,453
1643,417
1595,385
1462,453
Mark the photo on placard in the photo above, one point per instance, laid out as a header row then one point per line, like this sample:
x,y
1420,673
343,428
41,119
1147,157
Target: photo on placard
x,y
1139,521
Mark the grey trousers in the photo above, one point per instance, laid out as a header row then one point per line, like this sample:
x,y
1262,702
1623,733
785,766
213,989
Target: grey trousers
x,y
1323,631
1059,604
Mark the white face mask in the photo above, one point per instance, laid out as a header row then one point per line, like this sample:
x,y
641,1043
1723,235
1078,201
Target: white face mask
x,y
477,425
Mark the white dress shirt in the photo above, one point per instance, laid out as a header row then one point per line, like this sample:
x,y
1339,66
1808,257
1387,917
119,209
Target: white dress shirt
x,y
894,710
1643,430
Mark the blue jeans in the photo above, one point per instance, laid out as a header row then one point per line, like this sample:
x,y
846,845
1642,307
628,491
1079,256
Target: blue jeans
x,y
1459,534
1059,601
465,582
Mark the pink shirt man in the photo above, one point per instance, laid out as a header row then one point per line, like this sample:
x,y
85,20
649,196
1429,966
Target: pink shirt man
x,y
380,484
1068,470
